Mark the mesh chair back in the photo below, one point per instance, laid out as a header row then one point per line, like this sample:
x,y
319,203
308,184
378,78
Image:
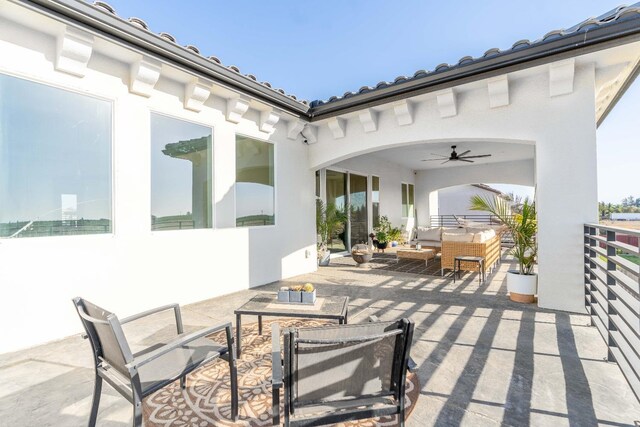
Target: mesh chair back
x,y
348,361
106,335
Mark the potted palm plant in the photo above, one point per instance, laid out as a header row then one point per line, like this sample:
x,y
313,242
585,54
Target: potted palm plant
x,y
521,283
329,221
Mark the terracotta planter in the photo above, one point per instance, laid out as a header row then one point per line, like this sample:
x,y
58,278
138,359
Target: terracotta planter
x,y
522,287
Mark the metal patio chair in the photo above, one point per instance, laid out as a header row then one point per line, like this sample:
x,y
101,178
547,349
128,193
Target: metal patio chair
x,y
338,373
136,376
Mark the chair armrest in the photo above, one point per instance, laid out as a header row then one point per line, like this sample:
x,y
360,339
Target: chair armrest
x,y
153,355
276,359
176,310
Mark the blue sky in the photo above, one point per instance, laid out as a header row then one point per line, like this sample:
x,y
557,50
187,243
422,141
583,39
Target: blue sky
x,y
318,49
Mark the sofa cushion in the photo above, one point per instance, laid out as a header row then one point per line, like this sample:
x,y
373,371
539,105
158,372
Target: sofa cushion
x,y
457,237
484,236
423,233
431,243
457,230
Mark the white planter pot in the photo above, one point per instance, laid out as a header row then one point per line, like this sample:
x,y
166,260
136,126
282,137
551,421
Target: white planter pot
x,y
325,259
522,287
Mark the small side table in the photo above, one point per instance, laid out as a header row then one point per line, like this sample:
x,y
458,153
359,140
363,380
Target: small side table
x,y
463,258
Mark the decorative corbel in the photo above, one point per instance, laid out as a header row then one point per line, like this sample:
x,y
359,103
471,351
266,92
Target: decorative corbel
x,y
498,91
236,107
143,76
73,51
369,120
268,120
404,112
195,95
561,76
337,126
447,103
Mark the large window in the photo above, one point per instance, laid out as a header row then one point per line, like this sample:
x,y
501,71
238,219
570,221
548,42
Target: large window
x,y
55,161
255,184
407,201
180,174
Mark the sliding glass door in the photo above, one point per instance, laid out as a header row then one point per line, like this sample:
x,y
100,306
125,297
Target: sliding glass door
x,y
336,188
358,227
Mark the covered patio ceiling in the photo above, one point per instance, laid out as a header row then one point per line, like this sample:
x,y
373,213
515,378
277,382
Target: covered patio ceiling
x,y
413,156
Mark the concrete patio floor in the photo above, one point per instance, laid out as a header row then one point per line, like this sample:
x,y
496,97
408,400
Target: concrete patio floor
x,y
483,360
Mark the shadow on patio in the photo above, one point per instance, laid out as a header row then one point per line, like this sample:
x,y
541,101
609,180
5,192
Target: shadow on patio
x,y
483,360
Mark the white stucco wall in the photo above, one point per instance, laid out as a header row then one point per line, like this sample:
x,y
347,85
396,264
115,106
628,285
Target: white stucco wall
x,y
455,200
134,269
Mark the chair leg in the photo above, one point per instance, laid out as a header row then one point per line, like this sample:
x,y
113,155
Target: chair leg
x,y
137,411
234,392
183,382
95,403
275,405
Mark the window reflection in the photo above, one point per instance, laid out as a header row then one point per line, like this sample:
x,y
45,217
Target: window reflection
x,y
255,187
180,174
55,161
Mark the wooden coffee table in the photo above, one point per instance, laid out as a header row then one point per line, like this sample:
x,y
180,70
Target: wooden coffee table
x,y
423,254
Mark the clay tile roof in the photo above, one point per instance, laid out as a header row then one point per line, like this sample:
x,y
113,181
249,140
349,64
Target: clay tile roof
x,y
105,7
615,15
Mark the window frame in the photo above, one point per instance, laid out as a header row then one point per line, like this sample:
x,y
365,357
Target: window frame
x,y
275,183
413,211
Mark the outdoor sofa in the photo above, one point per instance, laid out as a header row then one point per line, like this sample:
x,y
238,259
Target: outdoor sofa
x,y
479,240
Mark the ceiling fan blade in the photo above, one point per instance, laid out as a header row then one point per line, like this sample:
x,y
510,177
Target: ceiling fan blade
x,y
465,160
478,156
462,154
431,160
445,162
439,155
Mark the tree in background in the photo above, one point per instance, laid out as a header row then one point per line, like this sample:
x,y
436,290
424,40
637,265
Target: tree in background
x,y
629,204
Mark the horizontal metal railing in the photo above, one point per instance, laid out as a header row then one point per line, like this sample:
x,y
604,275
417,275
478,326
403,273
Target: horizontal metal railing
x,y
453,220
612,294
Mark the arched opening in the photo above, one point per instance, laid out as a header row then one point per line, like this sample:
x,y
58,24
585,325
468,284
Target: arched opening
x,y
401,181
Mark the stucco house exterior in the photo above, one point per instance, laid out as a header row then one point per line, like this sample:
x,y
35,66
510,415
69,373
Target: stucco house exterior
x,y
134,168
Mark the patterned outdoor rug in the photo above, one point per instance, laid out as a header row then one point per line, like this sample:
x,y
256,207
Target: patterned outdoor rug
x,y
206,401
390,262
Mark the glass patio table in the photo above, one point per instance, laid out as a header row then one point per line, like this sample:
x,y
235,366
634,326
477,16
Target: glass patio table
x,y
265,304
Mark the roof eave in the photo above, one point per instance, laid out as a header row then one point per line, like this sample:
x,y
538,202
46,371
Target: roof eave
x,y
619,94
114,28
608,36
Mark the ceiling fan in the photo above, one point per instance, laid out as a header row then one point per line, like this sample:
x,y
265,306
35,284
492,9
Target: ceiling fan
x,y
456,157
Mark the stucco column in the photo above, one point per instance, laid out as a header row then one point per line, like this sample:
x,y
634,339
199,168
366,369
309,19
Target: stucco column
x,y
566,193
